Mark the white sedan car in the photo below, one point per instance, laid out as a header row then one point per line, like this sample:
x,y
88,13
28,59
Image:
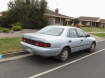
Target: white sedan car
x,y
58,41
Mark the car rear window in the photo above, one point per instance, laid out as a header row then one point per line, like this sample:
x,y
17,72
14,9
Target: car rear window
x,y
55,31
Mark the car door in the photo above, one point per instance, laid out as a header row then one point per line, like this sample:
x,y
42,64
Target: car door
x,y
84,40
73,40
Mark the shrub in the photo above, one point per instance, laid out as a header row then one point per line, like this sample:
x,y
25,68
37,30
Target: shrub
x,y
82,25
16,28
5,30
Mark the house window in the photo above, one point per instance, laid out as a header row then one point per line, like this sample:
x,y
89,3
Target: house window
x,y
51,21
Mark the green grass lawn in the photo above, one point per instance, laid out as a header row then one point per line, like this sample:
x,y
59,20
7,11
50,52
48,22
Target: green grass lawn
x,y
93,29
8,45
99,34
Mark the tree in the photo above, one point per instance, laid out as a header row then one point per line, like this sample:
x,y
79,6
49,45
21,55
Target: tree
x,y
71,22
30,13
4,22
76,21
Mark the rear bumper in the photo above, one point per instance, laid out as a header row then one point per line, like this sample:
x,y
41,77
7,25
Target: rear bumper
x,y
40,50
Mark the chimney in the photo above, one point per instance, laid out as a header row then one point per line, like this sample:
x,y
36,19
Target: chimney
x,y
56,10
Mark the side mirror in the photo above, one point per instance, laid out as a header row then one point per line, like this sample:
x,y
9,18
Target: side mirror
x,y
87,35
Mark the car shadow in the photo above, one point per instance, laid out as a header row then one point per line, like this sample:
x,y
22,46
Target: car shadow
x,y
49,61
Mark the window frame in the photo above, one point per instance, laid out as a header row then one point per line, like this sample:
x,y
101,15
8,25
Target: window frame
x,y
81,31
43,32
68,33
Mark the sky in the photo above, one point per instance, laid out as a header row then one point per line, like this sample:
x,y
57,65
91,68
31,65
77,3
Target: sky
x,y
72,8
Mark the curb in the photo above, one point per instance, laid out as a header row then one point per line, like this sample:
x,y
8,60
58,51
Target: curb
x,y
3,56
14,58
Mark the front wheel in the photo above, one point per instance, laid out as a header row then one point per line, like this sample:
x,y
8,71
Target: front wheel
x,y
92,47
64,54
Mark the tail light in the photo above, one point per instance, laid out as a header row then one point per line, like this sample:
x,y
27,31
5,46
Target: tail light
x,y
36,43
41,44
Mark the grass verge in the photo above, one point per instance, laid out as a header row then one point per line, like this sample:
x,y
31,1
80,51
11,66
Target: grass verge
x,y
99,34
9,45
93,29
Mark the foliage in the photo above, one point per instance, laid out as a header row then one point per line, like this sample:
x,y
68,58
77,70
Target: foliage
x,y
76,21
81,25
30,13
5,22
1,29
5,30
71,22
16,28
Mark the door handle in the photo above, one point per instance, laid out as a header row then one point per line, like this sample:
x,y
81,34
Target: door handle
x,y
70,41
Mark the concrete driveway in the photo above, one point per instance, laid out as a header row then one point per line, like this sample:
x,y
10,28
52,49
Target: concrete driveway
x,y
79,65
17,33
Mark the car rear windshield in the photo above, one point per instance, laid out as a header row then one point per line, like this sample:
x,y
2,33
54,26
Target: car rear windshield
x,y
55,31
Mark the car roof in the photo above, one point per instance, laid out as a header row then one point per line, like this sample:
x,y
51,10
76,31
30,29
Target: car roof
x,y
61,26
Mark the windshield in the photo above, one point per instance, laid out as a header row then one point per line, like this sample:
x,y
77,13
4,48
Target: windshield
x,y
55,31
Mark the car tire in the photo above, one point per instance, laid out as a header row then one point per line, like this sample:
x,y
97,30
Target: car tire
x,y
92,47
64,54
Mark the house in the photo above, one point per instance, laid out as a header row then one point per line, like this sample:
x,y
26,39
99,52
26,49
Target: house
x,y
90,21
56,17
0,14
3,13
102,22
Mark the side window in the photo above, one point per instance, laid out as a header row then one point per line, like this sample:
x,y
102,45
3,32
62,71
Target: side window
x,y
81,33
72,33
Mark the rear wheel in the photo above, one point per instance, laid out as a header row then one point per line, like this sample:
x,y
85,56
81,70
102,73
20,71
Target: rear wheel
x,y
64,54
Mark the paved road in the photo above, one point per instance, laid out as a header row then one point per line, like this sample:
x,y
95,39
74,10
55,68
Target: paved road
x,y
90,67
